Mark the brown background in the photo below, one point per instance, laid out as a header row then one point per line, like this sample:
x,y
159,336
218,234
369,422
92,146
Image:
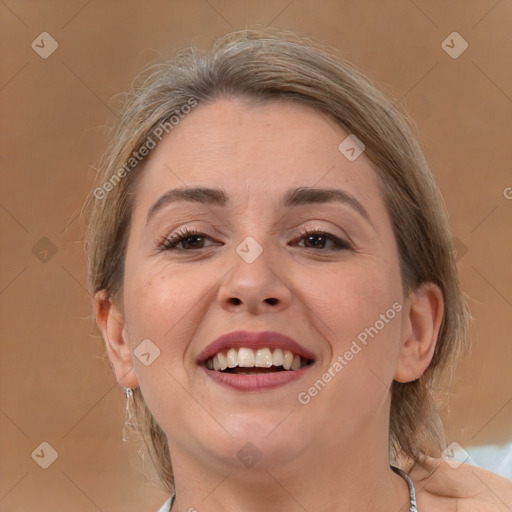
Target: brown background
x,y
54,384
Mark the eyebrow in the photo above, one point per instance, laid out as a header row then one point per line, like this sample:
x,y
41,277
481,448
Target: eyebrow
x,y
292,198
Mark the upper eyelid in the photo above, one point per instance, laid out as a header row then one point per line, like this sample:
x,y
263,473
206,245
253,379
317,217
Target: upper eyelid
x,y
301,224
190,231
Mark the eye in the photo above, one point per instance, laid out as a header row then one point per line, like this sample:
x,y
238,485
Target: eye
x,y
191,239
316,239
188,238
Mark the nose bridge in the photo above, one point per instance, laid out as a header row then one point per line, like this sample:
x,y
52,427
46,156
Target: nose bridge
x,y
256,281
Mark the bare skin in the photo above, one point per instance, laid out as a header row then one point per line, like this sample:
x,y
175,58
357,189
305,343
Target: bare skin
x,y
465,488
320,455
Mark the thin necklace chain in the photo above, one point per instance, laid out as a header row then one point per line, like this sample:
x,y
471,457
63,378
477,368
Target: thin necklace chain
x,y
412,493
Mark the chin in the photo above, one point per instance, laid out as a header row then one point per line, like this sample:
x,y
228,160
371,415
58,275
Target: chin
x,y
261,440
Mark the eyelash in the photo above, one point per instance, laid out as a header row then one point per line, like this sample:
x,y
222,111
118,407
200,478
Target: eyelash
x,y
170,242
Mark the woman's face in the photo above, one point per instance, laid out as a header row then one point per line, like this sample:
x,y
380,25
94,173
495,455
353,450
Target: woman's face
x,y
336,292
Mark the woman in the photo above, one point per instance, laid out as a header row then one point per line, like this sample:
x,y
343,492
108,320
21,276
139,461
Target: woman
x,y
275,283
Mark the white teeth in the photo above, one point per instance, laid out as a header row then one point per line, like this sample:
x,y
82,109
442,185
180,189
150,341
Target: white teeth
x,y
232,357
263,358
246,358
277,357
287,359
223,361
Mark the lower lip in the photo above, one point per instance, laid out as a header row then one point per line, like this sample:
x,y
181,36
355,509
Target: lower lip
x,y
259,382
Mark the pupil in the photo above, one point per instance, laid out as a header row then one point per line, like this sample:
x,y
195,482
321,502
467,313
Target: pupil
x,y
312,237
196,238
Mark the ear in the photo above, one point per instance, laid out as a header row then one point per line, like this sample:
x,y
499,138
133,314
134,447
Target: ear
x,y
110,320
421,324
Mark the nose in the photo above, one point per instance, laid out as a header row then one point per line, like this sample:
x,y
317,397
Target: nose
x,y
256,287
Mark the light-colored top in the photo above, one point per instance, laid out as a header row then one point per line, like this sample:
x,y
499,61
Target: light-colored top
x,y
166,507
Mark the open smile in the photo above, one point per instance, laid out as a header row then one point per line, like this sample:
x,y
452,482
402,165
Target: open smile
x,y
255,361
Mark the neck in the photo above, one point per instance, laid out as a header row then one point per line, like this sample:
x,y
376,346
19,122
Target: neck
x,y
330,477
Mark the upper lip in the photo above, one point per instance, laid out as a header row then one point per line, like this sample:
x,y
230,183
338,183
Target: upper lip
x,y
254,340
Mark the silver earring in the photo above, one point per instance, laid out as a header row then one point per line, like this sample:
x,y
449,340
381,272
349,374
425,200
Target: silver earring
x,y
128,393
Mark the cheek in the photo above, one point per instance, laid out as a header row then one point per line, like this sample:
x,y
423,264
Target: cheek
x,y
349,299
346,306
163,306
357,310
158,302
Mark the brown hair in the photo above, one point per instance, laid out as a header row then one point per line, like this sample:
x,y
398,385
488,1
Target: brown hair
x,y
266,65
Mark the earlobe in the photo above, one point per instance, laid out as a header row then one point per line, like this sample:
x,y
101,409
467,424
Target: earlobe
x,y
110,320
421,325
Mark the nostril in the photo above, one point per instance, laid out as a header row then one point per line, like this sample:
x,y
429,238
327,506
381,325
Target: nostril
x,y
236,301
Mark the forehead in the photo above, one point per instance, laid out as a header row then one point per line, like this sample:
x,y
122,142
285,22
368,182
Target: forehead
x,y
256,149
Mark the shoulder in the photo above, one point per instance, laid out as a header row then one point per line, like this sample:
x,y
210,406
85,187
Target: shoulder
x,y
441,487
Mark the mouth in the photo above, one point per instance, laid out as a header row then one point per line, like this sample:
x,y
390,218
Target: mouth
x,y
255,361
247,361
